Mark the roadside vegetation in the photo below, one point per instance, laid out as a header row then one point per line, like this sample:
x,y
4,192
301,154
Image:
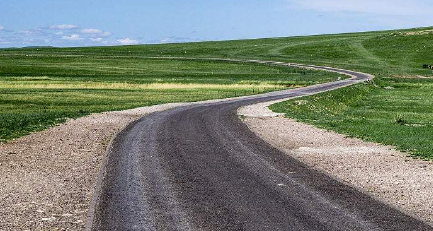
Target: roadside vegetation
x,y
39,87
398,116
395,109
38,90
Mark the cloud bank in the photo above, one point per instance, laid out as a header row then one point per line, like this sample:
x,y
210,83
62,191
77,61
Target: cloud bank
x,y
72,37
128,41
91,31
58,35
63,27
96,33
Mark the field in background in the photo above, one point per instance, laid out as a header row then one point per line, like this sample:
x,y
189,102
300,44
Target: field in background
x,y
40,88
395,109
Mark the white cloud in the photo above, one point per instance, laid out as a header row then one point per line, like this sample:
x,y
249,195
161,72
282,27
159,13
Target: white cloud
x,y
96,33
63,27
105,34
97,39
128,41
100,41
384,7
165,40
73,37
1,27
91,31
33,32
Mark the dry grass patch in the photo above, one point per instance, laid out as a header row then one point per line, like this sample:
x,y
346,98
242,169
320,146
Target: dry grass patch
x,y
124,86
420,32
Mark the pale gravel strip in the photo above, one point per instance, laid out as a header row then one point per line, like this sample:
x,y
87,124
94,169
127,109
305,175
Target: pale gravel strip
x,y
48,178
381,171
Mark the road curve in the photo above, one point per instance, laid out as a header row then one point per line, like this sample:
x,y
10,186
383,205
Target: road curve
x,y
199,167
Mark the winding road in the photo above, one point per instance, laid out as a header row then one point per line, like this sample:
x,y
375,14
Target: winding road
x,y
198,167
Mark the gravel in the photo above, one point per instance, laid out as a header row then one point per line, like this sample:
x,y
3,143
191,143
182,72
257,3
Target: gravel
x,y
48,178
381,171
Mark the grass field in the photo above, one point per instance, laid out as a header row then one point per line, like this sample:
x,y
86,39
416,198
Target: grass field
x,y
43,89
399,116
396,109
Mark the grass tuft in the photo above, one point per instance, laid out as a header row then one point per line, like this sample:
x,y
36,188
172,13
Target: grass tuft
x,y
398,119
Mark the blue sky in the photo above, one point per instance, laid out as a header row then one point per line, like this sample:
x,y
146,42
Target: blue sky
x,y
109,22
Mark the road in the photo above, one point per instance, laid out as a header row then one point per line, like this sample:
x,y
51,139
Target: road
x,y
199,167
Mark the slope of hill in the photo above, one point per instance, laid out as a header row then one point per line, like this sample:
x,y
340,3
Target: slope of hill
x,y
395,109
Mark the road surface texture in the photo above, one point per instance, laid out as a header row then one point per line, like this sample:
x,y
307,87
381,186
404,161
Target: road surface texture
x,y
199,167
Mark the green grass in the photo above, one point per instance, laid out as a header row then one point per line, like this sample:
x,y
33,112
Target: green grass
x,y
38,91
392,116
395,109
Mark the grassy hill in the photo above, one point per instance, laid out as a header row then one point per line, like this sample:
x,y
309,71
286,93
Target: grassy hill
x,y
396,109
394,53
40,87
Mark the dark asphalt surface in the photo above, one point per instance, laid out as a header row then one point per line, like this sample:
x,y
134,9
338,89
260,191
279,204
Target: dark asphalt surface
x,y
200,168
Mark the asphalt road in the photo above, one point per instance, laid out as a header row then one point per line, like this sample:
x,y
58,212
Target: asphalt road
x,y
199,167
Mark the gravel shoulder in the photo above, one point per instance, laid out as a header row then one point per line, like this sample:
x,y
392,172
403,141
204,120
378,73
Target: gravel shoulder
x,y
386,174
48,178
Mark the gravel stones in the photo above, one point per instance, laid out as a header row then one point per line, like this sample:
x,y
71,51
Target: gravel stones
x,y
378,170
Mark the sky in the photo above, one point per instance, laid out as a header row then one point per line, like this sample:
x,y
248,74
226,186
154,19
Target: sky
x,y
65,23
